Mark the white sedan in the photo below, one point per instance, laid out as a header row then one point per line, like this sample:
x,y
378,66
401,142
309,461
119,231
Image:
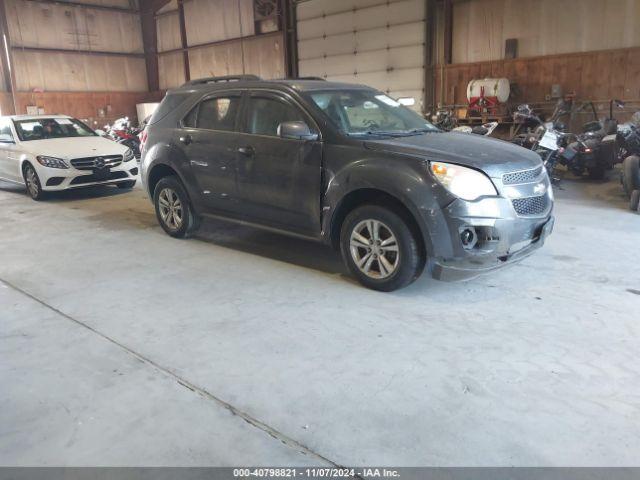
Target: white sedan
x,y
58,152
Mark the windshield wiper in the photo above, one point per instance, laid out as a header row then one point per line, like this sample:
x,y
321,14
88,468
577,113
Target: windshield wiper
x,y
387,133
424,130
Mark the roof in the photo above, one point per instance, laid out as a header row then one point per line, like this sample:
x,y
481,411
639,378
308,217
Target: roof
x,y
249,81
36,117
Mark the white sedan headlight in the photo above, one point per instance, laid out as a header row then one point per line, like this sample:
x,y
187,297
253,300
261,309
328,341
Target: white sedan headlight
x,y
465,183
128,155
51,162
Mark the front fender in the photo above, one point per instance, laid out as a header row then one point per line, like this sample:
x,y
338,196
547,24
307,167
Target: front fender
x,y
405,179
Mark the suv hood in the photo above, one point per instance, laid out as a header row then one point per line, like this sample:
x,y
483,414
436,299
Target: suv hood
x,y
492,156
74,147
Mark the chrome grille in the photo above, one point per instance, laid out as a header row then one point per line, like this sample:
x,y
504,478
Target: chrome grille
x,y
523,176
531,205
89,163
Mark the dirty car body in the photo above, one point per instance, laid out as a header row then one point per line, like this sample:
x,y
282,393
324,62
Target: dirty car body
x,y
307,185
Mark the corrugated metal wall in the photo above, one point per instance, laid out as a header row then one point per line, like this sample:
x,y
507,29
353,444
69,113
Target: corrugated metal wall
x,y
378,43
222,32
542,27
70,27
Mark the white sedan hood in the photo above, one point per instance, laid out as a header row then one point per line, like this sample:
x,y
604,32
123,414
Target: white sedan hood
x,y
74,147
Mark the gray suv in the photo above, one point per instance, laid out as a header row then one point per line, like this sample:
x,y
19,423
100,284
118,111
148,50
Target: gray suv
x,y
348,166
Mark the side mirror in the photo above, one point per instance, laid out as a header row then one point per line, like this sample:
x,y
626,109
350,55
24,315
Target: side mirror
x,y
296,131
102,133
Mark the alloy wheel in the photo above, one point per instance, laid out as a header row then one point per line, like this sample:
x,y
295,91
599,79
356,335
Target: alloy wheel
x,y
33,185
171,210
374,249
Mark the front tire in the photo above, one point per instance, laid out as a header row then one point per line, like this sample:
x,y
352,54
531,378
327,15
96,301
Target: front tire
x,y
32,181
380,249
173,208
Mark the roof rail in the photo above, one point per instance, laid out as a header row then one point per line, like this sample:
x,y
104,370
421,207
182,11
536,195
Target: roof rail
x,y
227,78
312,78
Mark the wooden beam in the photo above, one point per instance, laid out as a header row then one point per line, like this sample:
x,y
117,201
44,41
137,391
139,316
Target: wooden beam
x,y
93,6
289,27
448,31
152,5
429,57
183,41
220,42
70,50
7,57
148,10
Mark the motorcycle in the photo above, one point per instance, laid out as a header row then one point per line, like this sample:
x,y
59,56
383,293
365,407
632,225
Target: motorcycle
x,y
595,150
486,129
547,139
444,120
122,132
628,138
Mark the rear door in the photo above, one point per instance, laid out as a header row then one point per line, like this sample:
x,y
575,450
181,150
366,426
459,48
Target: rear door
x,y
278,179
209,139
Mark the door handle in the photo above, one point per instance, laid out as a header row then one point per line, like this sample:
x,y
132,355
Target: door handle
x,y
186,139
246,151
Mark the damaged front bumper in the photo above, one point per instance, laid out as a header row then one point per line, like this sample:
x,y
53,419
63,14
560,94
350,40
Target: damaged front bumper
x,y
490,234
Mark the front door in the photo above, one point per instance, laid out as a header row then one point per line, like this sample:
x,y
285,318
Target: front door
x,y
9,165
209,140
279,179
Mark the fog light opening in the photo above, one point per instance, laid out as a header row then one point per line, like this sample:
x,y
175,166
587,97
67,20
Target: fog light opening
x,y
468,237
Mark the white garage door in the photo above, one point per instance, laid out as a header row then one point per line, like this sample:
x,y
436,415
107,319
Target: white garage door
x,y
374,42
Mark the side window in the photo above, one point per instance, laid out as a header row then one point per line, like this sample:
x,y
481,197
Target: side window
x,y
218,113
5,131
190,120
265,114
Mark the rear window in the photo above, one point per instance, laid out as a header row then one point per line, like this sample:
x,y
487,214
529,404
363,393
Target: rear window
x,y
170,102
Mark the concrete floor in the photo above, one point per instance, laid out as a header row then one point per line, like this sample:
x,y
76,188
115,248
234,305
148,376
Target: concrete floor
x,y
122,346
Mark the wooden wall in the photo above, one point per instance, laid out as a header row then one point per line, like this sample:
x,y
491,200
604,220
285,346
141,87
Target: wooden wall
x,y
542,27
597,76
71,27
222,40
80,104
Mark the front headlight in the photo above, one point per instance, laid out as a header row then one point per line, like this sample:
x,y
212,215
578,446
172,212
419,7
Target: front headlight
x,y
128,155
51,162
463,182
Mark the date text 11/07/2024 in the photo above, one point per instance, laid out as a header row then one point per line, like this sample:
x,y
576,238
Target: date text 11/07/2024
x,y
313,473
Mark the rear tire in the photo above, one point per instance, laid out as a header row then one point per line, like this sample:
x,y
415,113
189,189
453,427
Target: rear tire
x,y
631,174
634,202
380,249
32,182
173,208
126,185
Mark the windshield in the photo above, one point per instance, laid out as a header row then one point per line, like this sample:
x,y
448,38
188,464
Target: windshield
x,y
367,112
45,128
